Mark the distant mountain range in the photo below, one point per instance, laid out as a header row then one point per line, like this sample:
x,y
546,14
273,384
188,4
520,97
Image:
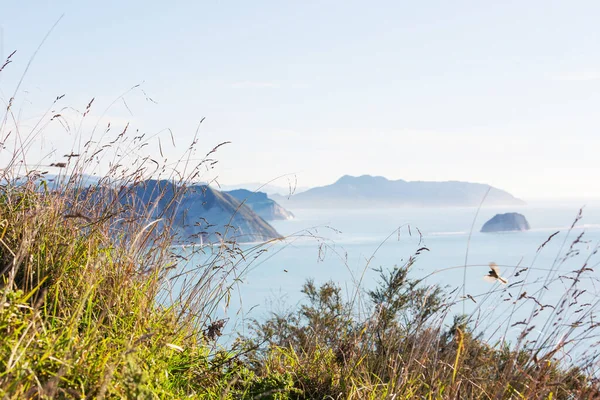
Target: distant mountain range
x,y
369,191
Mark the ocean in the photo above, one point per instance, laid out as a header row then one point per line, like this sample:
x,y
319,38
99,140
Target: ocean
x,y
347,246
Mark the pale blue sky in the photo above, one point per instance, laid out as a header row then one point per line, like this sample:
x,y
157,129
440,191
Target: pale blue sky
x,y
505,93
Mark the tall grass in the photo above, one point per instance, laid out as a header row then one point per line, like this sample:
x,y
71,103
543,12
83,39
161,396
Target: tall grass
x,y
96,300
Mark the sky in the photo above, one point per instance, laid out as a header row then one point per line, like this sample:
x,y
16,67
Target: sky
x,y
505,93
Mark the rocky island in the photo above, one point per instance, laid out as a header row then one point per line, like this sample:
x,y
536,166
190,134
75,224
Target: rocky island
x,y
193,214
201,211
506,223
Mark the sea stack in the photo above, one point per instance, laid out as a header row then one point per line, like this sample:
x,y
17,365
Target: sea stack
x,y
506,223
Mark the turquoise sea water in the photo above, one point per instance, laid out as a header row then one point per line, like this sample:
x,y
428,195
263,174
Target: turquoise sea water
x,y
347,245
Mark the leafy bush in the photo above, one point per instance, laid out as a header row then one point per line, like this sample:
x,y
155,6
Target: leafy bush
x,y
399,348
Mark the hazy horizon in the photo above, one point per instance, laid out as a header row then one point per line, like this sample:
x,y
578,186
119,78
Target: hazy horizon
x,y
281,189
502,94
